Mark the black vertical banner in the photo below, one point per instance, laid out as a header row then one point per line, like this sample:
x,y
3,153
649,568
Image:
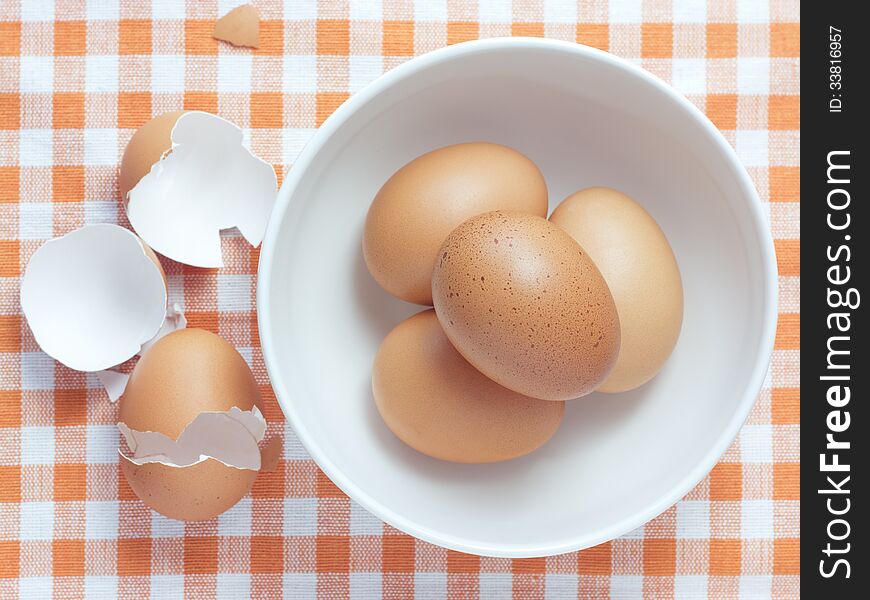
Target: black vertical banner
x,y
834,345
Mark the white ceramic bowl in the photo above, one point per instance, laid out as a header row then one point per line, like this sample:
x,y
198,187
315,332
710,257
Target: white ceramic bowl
x,y
586,118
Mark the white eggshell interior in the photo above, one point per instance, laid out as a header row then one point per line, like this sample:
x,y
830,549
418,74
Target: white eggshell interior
x,y
93,297
231,437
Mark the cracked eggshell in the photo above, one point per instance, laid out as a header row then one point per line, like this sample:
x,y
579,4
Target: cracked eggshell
x,y
526,305
207,183
146,147
93,297
437,403
182,375
636,260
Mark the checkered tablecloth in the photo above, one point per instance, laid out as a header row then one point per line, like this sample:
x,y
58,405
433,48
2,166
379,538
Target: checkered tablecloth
x,y
78,77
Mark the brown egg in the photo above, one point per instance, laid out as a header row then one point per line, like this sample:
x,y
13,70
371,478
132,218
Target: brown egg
x,y
526,305
426,199
145,148
183,374
440,405
633,255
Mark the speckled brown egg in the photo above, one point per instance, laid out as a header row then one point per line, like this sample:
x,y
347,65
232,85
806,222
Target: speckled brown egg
x,y
440,405
183,374
524,303
423,201
145,148
634,256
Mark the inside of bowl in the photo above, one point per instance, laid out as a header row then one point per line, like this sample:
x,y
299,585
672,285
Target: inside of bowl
x,y
585,122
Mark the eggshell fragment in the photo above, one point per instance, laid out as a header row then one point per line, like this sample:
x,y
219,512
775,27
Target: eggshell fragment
x,y
146,147
230,437
93,297
208,182
525,304
440,405
239,27
184,374
425,200
633,255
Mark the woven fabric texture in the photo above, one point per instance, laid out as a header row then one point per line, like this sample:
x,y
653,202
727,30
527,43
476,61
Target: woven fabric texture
x,y
76,80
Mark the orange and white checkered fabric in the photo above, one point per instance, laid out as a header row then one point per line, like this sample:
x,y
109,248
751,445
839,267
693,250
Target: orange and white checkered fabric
x,y
76,80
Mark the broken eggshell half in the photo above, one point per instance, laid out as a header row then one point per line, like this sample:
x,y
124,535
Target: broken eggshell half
x,y
93,297
191,417
203,182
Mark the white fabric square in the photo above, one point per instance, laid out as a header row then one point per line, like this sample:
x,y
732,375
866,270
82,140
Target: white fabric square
x,y
101,147
693,519
102,444
753,11
101,519
37,371
294,142
101,73
756,587
626,587
164,527
625,11
689,75
299,586
167,73
300,74
497,586
362,70
37,10
433,586
167,587
753,76
690,587
751,146
36,74
232,586
494,11
34,587
293,448
100,587
234,72
300,516
170,10
362,522
36,148
234,293
430,10
237,520
689,11
35,221
300,10
366,10
37,445
36,521
561,585
560,11
756,519
103,10
101,211
756,444
365,586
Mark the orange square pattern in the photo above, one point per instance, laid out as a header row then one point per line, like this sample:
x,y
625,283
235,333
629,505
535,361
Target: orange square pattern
x,y
61,128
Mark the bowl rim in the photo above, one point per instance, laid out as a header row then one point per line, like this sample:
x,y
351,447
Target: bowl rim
x,y
690,479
